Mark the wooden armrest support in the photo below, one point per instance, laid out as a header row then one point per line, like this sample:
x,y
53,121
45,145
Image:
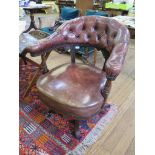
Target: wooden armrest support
x,y
115,61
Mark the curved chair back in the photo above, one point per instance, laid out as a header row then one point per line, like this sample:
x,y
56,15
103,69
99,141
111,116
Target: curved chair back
x,y
100,32
105,34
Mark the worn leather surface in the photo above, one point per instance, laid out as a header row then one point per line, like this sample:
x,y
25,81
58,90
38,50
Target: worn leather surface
x,y
100,32
74,88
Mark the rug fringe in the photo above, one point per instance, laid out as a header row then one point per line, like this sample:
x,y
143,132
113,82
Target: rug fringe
x,y
95,133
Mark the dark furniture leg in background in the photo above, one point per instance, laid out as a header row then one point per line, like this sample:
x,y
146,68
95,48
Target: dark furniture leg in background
x,y
76,133
32,24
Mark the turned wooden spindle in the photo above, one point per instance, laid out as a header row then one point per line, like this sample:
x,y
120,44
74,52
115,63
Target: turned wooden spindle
x,y
105,92
76,133
72,55
107,89
43,63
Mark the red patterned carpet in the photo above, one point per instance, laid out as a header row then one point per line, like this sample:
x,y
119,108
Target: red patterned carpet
x,y
42,133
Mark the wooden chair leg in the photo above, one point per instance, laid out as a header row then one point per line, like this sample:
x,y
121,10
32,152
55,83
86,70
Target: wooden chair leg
x,y
105,92
77,129
50,112
44,65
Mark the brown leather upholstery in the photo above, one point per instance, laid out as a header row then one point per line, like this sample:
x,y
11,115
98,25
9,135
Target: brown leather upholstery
x,y
73,88
100,32
76,90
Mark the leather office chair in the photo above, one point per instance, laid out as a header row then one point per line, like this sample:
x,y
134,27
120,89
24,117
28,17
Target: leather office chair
x,y
75,90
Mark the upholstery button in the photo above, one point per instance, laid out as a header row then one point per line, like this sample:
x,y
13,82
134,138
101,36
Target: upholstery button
x,y
106,29
98,36
88,36
114,34
96,27
77,36
84,27
65,38
71,29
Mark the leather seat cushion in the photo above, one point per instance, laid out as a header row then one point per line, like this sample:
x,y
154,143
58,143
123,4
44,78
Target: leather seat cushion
x,y
73,89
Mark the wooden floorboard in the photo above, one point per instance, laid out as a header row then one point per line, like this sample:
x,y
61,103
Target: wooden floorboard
x,y
121,137
131,148
118,137
99,145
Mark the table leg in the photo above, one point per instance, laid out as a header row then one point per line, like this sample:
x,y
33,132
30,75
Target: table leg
x,y
32,24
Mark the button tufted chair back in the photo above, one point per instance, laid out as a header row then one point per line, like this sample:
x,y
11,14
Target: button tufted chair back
x,y
105,34
95,31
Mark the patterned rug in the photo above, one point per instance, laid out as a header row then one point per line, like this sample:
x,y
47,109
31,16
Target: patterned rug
x,y
43,133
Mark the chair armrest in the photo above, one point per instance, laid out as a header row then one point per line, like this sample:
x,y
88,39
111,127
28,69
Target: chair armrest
x,y
43,46
115,61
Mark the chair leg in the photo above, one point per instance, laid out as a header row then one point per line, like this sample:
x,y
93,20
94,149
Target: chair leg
x,y
76,129
49,113
106,91
43,64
